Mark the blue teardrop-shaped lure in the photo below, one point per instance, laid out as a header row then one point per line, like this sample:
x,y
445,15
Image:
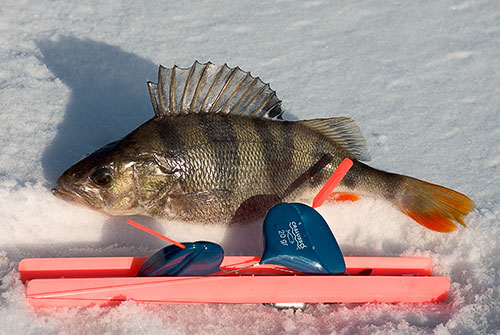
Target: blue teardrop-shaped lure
x,y
296,236
198,259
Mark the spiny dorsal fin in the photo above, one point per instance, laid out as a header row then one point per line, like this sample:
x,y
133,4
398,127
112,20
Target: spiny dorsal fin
x,y
344,132
207,88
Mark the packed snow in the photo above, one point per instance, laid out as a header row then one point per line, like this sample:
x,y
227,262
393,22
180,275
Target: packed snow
x,y
421,79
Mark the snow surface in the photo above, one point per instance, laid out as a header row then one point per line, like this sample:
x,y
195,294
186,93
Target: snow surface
x,y
421,78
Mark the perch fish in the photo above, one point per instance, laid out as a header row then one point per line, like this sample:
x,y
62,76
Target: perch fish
x,y
218,151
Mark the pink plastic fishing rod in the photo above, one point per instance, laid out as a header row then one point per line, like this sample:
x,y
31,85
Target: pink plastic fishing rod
x,y
152,232
332,182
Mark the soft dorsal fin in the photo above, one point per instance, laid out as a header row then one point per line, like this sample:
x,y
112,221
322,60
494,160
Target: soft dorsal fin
x,y
344,132
207,88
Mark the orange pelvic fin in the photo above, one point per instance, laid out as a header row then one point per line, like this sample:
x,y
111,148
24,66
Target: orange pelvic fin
x,y
341,196
435,207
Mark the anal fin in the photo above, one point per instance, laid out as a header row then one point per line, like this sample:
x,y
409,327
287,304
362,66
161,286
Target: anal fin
x,y
341,196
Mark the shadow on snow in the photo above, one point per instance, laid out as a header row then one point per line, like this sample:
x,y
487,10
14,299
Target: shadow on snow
x,y
109,97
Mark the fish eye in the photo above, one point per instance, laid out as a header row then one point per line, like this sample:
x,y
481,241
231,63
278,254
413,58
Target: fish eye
x,y
102,177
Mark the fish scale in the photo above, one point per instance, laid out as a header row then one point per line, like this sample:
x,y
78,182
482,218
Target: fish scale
x,y
256,159
217,151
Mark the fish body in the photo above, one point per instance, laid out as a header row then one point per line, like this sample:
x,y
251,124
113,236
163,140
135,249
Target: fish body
x,y
217,151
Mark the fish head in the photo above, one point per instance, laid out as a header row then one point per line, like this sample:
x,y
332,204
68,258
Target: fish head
x,y
116,179
102,180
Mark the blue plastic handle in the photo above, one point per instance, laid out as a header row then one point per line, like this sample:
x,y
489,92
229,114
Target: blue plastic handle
x,y
198,259
296,236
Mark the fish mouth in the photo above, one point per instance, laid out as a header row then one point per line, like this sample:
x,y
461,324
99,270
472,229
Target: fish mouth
x,y
68,195
75,196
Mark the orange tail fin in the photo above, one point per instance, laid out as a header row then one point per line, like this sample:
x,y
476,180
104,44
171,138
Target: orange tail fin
x,y
435,207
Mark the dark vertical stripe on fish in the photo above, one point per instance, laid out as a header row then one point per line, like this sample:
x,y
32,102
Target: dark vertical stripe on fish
x,y
222,136
169,137
392,184
268,152
350,179
319,145
286,130
319,153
